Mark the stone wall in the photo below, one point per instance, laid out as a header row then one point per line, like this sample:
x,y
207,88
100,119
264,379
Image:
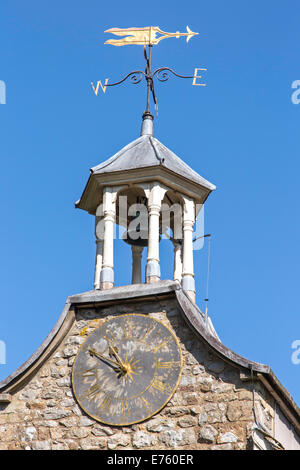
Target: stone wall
x,y
211,408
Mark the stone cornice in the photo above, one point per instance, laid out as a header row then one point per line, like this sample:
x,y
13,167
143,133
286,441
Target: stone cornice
x,y
91,196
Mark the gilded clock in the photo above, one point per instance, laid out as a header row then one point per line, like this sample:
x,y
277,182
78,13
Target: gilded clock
x,y
127,370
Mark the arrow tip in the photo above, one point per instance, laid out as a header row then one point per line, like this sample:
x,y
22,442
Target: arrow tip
x,y
190,34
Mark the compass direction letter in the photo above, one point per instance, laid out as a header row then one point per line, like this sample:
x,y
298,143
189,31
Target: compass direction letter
x,y
198,76
97,86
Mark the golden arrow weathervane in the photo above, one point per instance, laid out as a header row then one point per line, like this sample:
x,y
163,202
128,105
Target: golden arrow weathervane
x,y
144,36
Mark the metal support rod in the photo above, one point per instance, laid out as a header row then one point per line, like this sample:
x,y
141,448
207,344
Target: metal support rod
x,y
137,75
149,79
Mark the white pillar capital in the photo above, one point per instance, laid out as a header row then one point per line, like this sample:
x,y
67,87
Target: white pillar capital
x,y
110,198
154,209
154,192
188,209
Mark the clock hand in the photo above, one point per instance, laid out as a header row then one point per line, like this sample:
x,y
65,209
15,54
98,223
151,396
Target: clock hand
x,y
93,352
119,360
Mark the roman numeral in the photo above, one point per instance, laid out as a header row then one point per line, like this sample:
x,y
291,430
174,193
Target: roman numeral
x,y
148,405
93,391
149,330
168,365
127,329
89,372
109,337
124,408
161,345
105,405
158,385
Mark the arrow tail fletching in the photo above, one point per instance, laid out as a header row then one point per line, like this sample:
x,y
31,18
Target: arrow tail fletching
x,y
137,36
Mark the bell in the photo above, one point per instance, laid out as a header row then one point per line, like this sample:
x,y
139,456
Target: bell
x,y
136,235
140,241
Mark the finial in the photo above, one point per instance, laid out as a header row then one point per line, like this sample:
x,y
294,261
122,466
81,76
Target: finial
x,y
147,124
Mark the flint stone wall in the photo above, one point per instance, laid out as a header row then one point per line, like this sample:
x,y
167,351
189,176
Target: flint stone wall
x,y
211,408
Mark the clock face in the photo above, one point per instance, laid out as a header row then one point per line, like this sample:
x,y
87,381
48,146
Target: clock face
x,y
127,370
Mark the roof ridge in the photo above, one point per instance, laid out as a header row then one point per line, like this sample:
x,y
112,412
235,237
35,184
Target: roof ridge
x,y
119,154
156,151
185,165
147,151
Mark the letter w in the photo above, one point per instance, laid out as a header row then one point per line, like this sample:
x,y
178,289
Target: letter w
x,y
97,86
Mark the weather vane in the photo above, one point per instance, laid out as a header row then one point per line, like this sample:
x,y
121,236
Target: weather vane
x,y
147,36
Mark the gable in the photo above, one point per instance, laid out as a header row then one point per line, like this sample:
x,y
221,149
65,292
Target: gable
x,y
210,409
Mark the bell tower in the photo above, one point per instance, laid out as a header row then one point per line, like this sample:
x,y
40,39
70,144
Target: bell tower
x,y
149,191
145,187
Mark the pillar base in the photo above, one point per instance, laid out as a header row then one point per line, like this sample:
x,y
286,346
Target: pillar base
x,y
152,272
152,268
106,285
152,279
188,283
106,278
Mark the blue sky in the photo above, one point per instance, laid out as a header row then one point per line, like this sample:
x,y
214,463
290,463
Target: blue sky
x,y
241,132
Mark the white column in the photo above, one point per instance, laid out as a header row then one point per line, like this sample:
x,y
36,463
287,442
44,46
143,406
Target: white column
x,y
98,264
153,268
177,260
109,210
99,234
188,282
137,252
155,197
